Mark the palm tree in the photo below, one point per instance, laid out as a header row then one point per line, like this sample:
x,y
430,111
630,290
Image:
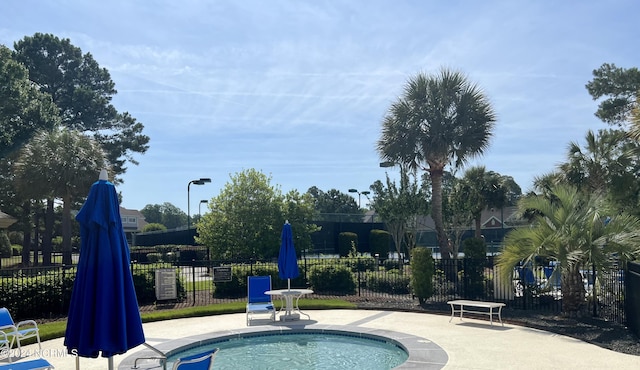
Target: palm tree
x,y
634,130
63,164
481,189
606,164
575,230
439,120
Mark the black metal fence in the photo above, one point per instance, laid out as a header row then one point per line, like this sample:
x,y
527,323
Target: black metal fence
x,y
632,298
45,292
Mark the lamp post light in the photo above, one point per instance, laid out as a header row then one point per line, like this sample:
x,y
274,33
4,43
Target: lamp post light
x,y
365,193
200,181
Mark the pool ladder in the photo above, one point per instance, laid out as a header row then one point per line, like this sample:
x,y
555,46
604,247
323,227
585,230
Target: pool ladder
x,y
162,357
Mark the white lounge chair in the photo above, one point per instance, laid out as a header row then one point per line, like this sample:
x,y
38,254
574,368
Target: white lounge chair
x,y
18,332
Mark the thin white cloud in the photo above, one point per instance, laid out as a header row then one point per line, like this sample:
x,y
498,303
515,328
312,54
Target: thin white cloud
x,y
298,89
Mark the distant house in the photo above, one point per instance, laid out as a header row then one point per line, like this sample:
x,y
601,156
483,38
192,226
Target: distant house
x,y
132,221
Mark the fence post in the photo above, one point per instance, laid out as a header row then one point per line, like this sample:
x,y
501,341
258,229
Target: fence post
x,y
193,279
594,294
359,283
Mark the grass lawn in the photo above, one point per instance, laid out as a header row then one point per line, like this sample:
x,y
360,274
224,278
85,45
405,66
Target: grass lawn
x,y
56,329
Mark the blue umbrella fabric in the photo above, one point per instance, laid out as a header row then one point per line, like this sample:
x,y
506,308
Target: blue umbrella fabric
x,y
287,259
103,315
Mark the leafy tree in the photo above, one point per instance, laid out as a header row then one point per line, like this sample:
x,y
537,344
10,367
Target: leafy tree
x,y
512,190
246,218
400,206
619,87
66,162
456,213
569,227
481,189
166,214
23,108
299,210
82,91
439,120
334,202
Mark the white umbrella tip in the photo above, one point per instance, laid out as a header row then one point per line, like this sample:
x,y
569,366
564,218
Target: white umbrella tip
x,y
103,175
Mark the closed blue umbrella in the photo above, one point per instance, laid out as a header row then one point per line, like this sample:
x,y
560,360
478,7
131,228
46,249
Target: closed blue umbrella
x,y
287,259
103,315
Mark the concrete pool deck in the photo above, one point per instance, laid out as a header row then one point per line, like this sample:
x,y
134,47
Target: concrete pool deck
x,y
469,344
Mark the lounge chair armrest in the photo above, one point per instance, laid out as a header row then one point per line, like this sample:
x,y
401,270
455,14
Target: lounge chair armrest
x,y
12,327
27,322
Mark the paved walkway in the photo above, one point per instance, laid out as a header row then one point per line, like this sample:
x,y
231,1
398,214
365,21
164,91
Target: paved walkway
x,y
470,344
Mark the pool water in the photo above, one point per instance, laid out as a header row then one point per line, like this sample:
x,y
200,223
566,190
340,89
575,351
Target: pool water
x,y
302,351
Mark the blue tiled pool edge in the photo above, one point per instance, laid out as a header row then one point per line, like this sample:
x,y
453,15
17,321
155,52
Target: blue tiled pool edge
x,y
423,353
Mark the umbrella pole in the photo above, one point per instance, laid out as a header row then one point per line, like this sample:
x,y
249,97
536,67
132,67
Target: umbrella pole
x,y
289,284
110,359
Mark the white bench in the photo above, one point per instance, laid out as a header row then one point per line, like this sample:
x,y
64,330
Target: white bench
x,y
476,304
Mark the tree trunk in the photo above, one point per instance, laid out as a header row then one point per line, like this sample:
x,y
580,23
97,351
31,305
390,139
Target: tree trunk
x,y
26,229
47,235
436,213
66,231
478,231
450,269
573,293
36,236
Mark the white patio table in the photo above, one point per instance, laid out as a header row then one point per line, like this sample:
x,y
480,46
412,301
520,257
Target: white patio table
x,y
290,311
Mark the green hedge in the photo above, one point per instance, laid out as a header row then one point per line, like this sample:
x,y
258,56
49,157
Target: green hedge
x,y
29,296
356,264
334,279
346,242
422,271
391,282
379,242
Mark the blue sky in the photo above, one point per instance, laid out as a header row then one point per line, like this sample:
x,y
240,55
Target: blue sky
x,y
298,89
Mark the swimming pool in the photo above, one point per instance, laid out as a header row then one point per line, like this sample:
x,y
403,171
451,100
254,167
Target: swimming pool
x,y
422,353
302,350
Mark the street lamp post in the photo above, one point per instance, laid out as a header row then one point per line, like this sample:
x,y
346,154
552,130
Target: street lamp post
x,y
200,181
365,193
199,204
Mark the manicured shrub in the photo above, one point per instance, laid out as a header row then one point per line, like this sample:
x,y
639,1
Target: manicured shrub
x,y
475,252
379,241
390,264
391,282
359,263
153,227
347,241
335,279
422,270
39,296
154,257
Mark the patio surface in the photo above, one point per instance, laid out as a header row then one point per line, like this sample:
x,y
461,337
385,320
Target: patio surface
x,y
469,344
